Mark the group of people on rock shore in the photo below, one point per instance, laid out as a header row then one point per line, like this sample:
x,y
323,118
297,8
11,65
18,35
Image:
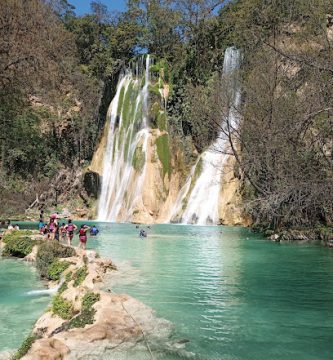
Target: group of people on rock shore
x,y
52,230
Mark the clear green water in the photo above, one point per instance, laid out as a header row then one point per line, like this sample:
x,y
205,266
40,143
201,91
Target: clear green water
x,y
234,295
18,310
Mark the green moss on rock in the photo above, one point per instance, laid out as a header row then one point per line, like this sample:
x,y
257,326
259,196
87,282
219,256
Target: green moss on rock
x,y
162,121
120,100
126,110
139,159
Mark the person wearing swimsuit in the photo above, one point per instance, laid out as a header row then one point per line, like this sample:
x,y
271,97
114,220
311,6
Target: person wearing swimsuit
x,y
70,228
83,236
63,232
52,229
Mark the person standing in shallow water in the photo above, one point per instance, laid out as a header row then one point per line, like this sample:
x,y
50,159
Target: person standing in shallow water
x,y
83,236
70,228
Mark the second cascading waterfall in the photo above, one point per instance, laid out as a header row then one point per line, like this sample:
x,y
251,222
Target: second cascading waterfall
x,y
126,149
197,201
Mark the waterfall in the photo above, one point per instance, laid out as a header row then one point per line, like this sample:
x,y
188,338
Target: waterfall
x,y
197,201
51,291
125,156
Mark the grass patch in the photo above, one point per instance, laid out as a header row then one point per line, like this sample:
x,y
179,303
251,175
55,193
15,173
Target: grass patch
x,y
80,275
56,268
62,307
25,347
162,145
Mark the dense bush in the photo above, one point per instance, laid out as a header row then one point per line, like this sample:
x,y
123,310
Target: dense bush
x,y
49,252
56,268
62,307
15,234
18,246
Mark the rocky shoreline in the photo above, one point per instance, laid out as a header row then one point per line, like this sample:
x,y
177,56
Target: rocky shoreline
x,y
321,235
85,322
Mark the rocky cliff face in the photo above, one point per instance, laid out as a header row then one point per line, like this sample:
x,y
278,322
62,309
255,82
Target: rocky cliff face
x,y
160,188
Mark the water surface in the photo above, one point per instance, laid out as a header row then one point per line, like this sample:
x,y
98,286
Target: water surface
x,y
18,309
234,295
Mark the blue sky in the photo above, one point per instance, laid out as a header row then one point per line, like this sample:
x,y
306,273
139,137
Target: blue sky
x,y
83,6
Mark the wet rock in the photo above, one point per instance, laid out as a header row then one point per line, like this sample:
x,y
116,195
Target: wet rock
x,y
92,183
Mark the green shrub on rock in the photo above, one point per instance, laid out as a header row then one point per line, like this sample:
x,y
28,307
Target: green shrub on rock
x,y
18,246
14,234
56,268
89,300
87,313
25,347
62,307
49,252
80,275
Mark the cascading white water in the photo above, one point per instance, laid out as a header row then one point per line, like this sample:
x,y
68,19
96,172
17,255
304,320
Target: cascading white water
x,y
51,291
197,201
126,150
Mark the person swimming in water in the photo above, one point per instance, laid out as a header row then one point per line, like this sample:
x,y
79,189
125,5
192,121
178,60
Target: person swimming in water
x,y
142,233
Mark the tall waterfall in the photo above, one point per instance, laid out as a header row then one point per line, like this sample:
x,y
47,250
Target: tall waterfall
x,y
197,201
126,150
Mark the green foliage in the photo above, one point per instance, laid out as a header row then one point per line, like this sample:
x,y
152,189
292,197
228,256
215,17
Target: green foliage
x,y
155,89
48,252
56,268
14,234
62,307
80,275
25,347
17,245
69,276
87,313
89,300
63,287
163,152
